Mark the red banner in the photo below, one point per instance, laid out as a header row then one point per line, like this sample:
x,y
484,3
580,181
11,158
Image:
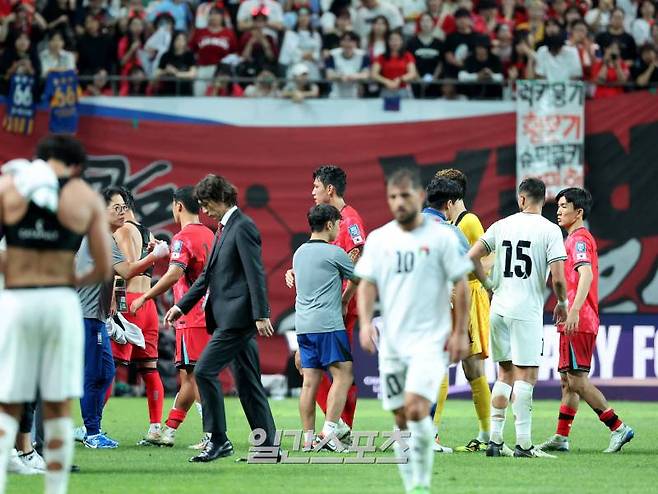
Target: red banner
x,y
272,168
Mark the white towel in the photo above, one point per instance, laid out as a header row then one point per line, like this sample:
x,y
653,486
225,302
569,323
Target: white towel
x,y
123,331
35,181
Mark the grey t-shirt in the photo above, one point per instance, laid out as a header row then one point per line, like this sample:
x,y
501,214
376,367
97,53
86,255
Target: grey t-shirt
x,y
95,299
320,269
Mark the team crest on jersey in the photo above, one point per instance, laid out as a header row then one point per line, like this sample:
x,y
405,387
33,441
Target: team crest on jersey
x,y
355,233
176,249
425,250
581,247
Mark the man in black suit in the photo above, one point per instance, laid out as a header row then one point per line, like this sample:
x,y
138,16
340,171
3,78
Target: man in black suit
x,y
236,309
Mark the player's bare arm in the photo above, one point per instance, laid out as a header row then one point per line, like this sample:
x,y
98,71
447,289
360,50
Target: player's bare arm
x,y
99,243
290,278
585,277
477,252
366,308
349,292
560,289
458,345
169,279
128,269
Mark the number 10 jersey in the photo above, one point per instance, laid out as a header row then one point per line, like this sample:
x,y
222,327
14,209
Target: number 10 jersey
x,y
413,271
525,244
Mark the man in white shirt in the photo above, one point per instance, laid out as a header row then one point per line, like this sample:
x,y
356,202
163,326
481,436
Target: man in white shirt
x,y
526,246
558,62
412,263
347,66
369,10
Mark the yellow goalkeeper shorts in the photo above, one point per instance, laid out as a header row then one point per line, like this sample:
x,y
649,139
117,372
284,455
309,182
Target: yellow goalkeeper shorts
x,y
478,327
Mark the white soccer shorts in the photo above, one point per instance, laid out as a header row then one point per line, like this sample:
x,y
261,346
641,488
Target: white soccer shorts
x,y
521,342
419,372
41,344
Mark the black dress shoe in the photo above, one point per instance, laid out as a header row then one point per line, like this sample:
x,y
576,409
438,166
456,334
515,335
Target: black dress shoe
x,y
213,451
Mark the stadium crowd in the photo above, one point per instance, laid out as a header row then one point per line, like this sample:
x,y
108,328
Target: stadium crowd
x,y
338,48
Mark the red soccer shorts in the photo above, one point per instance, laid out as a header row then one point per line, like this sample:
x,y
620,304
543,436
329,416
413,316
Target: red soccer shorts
x,y
146,319
576,351
190,342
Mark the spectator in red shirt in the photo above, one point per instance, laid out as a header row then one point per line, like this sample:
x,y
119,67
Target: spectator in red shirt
x,y
259,49
222,85
558,11
488,10
136,83
395,68
130,51
441,16
586,49
210,46
612,69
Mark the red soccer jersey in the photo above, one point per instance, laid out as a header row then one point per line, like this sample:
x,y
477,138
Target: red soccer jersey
x,y
581,249
211,47
351,234
189,249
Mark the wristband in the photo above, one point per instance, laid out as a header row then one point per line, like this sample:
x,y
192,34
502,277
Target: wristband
x,y
563,303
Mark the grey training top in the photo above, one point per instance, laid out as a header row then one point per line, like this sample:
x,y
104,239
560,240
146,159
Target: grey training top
x,y
320,269
95,299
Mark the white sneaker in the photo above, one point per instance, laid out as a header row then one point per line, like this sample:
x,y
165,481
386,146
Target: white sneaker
x,y
33,460
15,465
533,452
342,430
201,444
619,437
555,443
437,447
167,437
79,433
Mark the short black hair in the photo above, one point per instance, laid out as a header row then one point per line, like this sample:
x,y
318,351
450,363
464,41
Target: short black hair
x,y
580,198
455,175
114,190
441,190
534,189
128,197
403,175
332,175
319,215
66,149
185,195
216,188
352,36
461,12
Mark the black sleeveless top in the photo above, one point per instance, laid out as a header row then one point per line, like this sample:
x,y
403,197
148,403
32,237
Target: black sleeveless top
x,y
146,238
40,229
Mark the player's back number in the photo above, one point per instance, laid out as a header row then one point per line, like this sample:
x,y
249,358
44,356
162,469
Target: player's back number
x,y
519,254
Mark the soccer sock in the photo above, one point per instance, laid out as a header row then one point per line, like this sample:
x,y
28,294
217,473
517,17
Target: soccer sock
x,y
309,436
441,401
404,466
522,408
482,403
421,455
564,420
219,437
175,418
322,395
58,453
154,394
610,419
8,430
350,407
504,390
328,428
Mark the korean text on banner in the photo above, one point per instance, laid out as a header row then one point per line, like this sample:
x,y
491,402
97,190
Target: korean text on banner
x,y
550,133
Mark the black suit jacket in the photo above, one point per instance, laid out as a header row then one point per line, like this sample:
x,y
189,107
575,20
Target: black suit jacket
x,y
235,278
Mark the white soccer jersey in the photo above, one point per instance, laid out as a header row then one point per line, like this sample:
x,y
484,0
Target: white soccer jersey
x,y
525,244
413,272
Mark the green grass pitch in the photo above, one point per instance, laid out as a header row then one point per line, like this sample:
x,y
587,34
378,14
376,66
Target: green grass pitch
x,y
133,469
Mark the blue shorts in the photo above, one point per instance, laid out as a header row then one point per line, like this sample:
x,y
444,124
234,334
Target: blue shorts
x,y
320,350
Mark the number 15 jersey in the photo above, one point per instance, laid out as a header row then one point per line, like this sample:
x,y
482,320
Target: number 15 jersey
x,y
413,272
525,244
